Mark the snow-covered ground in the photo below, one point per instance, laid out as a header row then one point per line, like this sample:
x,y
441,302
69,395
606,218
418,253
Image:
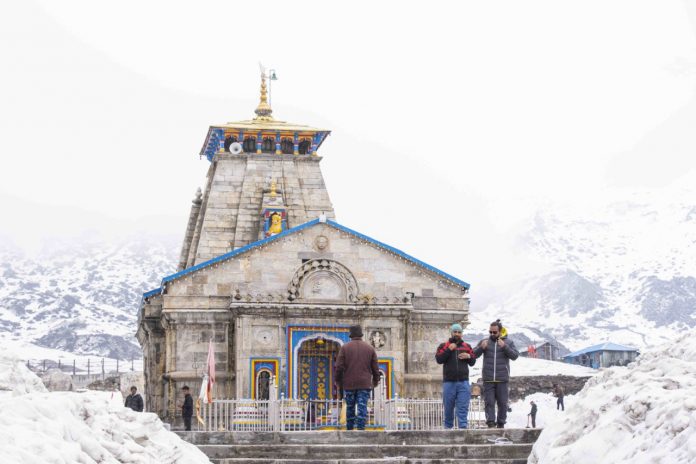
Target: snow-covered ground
x,y
533,367
644,413
33,353
546,410
87,428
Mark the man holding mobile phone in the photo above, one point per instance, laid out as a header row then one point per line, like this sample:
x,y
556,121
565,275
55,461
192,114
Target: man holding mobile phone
x,y
497,352
456,356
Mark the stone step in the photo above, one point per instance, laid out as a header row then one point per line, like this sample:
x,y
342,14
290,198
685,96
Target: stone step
x,y
397,460
368,451
405,437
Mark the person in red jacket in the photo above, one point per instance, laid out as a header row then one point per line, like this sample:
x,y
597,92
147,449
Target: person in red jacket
x,y
357,373
456,356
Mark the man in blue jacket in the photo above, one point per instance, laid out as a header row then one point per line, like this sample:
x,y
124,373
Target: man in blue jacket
x,y
497,352
456,356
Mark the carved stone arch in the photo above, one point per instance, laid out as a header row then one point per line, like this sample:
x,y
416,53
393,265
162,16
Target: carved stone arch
x,y
325,280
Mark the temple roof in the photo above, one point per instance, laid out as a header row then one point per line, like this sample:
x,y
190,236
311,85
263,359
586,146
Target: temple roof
x,y
257,125
264,123
294,230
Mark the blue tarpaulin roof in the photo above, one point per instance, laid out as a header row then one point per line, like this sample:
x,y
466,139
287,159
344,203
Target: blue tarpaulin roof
x,y
608,346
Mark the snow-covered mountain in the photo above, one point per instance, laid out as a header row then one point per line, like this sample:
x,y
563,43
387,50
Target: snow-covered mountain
x,y
81,296
621,270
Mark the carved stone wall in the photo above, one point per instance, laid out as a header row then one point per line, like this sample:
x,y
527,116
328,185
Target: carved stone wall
x,y
228,217
319,276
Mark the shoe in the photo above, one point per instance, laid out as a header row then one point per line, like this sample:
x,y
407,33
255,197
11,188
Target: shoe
x,y
500,426
491,425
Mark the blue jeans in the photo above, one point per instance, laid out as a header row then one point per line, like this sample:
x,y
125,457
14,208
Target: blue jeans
x,y
360,398
456,394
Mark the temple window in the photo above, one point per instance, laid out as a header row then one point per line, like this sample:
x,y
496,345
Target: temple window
x,y
286,146
304,147
250,145
229,140
268,145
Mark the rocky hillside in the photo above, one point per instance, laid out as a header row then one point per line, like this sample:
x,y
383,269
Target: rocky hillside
x,y
621,271
81,296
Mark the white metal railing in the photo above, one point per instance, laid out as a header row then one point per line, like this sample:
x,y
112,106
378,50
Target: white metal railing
x,y
275,415
286,414
304,415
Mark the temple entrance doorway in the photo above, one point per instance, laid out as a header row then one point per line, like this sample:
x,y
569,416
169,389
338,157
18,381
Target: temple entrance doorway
x,y
317,358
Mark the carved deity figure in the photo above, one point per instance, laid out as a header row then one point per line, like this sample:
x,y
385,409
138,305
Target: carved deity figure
x,y
263,386
378,339
276,224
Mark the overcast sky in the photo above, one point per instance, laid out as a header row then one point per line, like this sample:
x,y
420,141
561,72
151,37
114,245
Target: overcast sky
x,y
452,121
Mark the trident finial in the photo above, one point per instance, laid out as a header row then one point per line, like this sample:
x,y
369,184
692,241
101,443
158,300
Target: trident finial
x,y
263,111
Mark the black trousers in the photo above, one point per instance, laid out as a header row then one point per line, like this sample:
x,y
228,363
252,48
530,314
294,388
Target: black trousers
x,y
496,393
559,404
533,420
187,422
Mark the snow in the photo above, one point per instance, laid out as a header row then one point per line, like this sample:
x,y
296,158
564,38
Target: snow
x,y
546,410
90,427
522,367
618,268
80,294
16,379
31,352
639,414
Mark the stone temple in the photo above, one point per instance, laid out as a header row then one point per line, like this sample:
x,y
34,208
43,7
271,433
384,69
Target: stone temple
x,y
275,281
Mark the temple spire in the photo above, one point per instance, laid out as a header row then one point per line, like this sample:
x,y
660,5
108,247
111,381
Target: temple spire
x,y
263,111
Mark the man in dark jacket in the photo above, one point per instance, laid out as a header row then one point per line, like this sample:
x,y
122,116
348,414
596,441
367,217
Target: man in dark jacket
x,y
187,408
134,400
559,394
532,414
357,373
497,352
456,356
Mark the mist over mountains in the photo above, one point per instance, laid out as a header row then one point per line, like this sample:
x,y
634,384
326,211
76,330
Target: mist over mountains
x,y
622,270
81,295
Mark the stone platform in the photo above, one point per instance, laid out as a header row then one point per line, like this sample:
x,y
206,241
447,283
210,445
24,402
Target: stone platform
x,y
486,446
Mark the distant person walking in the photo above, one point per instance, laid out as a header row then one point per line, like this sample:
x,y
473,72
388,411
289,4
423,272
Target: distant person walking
x,y
134,400
497,352
357,373
532,414
187,407
559,394
456,356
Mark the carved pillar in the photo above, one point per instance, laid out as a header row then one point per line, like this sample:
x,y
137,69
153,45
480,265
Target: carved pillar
x,y
277,144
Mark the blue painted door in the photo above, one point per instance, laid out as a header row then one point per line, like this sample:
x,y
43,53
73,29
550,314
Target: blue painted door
x,y
315,377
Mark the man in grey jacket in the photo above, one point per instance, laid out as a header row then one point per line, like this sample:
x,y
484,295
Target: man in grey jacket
x,y
497,352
